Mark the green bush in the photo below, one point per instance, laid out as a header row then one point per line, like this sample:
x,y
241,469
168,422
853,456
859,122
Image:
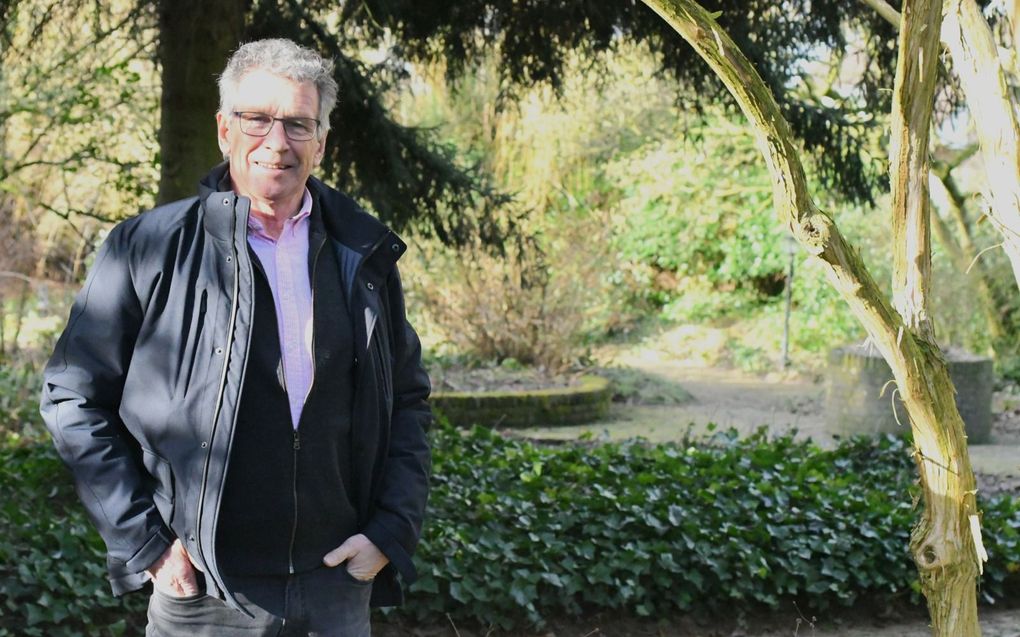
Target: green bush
x,y
19,401
518,533
700,225
52,562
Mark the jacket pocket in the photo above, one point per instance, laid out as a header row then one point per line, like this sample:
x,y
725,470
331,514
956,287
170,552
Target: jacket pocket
x,y
162,484
192,346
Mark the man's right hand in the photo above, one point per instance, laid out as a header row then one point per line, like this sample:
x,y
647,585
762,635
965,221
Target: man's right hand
x,y
173,572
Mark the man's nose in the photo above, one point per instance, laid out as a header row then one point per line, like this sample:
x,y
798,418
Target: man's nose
x,y
276,139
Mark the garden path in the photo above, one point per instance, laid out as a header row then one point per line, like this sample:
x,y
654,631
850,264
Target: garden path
x,y
730,398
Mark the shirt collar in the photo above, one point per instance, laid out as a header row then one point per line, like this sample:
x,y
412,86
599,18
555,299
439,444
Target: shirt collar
x,y
255,225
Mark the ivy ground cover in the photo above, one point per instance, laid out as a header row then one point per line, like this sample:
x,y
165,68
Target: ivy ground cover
x,y
519,533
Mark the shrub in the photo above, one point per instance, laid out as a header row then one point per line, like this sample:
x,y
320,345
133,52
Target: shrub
x,y
20,384
518,533
52,562
690,223
532,304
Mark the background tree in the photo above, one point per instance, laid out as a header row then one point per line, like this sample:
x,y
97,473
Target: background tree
x,y
75,123
195,38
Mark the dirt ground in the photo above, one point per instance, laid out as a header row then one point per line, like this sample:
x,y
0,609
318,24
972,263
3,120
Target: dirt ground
x,y
860,623
729,398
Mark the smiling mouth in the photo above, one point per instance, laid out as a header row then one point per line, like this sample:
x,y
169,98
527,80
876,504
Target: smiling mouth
x,y
262,164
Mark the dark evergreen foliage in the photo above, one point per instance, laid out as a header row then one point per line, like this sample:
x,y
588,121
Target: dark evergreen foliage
x,y
404,173
409,177
534,37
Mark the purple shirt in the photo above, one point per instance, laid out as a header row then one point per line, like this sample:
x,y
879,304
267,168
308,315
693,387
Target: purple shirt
x,y
285,262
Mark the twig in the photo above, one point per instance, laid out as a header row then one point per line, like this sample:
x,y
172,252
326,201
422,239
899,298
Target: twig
x,y
918,452
805,620
455,631
978,256
892,401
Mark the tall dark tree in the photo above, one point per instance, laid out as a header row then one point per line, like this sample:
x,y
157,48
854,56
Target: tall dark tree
x,y
195,39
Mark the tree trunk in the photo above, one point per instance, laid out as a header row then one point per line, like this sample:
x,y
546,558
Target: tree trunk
x,y
1013,12
946,541
969,39
967,36
913,97
940,539
195,39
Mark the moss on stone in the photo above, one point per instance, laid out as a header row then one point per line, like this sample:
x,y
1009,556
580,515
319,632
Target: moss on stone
x,y
586,402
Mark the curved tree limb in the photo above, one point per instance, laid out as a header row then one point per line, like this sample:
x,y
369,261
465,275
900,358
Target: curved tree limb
x,y
944,549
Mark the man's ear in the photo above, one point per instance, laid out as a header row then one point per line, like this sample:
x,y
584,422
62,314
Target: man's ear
x,y
320,152
222,128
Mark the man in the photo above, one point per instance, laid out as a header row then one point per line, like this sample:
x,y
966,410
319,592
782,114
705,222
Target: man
x,y
237,390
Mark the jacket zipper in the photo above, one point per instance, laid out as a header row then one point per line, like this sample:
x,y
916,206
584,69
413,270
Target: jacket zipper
x,y
234,304
293,528
297,432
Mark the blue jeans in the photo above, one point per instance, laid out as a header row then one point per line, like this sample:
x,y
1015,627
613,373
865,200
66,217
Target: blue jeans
x,y
326,602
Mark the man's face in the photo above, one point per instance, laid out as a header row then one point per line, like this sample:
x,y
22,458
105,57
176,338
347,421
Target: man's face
x,y
271,169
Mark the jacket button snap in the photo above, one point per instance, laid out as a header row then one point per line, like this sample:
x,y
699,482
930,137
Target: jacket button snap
x,y
396,247
230,259
204,444
219,350
370,286
226,201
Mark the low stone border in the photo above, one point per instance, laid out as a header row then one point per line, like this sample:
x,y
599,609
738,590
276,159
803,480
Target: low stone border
x,y
586,402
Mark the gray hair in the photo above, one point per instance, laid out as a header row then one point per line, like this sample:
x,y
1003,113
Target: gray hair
x,y
286,59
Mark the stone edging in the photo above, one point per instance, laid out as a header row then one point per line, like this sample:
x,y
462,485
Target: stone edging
x,y
577,405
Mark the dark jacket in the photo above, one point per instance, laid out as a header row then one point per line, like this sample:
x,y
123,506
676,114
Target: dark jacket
x,y
142,392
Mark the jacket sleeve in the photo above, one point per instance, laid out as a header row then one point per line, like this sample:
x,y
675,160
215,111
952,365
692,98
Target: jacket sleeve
x,y
396,524
82,386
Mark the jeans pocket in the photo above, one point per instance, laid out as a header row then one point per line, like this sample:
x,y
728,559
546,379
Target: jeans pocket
x,y
178,599
184,599
350,578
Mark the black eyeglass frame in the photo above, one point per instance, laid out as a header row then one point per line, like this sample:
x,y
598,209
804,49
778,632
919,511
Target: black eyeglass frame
x,y
286,121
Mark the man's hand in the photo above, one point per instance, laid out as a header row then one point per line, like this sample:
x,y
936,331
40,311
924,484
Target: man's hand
x,y
364,560
173,572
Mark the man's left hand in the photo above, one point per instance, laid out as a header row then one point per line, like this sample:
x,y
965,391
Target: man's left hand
x,y
364,559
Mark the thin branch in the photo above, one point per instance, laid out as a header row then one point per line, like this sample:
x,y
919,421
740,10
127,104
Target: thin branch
x,y
67,213
884,9
946,166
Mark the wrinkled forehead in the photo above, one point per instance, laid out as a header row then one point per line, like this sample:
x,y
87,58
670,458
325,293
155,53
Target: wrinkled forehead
x,y
267,92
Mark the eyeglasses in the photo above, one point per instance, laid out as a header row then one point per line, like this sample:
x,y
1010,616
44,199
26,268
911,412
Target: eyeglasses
x,y
298,129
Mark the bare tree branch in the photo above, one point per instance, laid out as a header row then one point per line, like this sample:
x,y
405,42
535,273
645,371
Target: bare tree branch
x,y
885,10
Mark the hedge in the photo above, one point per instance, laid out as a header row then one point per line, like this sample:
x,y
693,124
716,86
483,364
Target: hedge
x,y
518,533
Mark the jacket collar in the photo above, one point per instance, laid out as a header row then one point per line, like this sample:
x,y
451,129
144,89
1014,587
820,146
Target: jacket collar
x,y
342,219
218,202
